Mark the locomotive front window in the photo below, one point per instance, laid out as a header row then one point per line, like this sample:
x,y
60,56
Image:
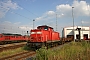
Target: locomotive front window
x,y
46,28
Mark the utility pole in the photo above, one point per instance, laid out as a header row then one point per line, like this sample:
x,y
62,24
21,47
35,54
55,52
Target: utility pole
x,y
82,28
56,22
73,24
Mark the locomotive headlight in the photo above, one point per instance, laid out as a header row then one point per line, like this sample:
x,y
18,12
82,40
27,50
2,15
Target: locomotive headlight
x,y
33,32
36,32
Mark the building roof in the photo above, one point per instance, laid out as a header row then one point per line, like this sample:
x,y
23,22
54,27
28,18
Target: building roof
x,y
75,27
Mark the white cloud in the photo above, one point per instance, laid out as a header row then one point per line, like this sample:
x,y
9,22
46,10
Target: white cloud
x,y
81,8
85,22
10,4
39,18
9,27
17,23
47,15
7,22
50,13
25,27
2,14
6,5
63,8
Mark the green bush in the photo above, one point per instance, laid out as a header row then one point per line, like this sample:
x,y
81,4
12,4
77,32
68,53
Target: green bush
x,y
41,54
26,47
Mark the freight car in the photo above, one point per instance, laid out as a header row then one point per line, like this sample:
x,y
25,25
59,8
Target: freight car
x,y
8,38
43,36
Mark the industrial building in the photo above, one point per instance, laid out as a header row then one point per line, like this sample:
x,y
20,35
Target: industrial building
x,y
77,32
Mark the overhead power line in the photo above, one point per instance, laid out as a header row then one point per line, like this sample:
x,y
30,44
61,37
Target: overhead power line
x,y
22,15
17,13
27,10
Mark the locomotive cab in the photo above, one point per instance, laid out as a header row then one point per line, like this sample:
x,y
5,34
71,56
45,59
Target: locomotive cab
x,y
45,27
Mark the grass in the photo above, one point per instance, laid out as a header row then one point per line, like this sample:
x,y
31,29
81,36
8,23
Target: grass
x,y
71,51
13,51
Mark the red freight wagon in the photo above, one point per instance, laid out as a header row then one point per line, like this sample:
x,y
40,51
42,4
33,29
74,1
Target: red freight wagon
x,y
43,35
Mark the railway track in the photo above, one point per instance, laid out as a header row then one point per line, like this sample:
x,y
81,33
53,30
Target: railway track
x,y
11,46
20,56
26,54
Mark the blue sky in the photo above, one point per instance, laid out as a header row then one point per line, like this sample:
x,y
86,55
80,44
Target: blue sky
x,y
16,16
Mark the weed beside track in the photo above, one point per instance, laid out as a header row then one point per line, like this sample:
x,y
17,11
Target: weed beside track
x,y
71,51
19,56
11,46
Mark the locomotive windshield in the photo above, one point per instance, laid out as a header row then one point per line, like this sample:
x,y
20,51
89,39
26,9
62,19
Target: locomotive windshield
x,y
46,28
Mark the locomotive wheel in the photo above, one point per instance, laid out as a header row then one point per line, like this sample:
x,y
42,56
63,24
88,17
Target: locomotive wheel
x,y
59,43
52,44
63,42
1,43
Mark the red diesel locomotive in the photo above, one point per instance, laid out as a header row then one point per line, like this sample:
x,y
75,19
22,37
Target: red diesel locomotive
x,y
43,35
8,38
